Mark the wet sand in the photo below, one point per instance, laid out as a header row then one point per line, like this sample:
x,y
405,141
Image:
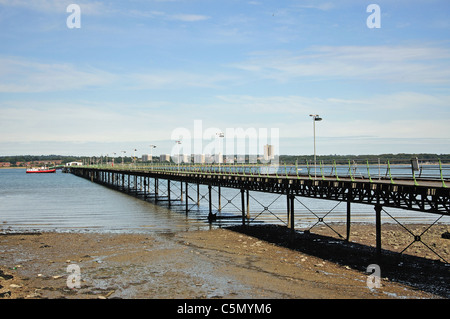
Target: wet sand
x,y
238,263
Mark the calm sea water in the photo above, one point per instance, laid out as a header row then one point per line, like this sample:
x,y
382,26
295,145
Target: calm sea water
x,y
64,202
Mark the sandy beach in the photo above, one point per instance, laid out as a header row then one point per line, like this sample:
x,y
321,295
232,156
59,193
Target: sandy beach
x,y
238,263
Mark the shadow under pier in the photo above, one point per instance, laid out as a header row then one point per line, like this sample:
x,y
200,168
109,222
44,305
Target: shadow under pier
x,y
420,273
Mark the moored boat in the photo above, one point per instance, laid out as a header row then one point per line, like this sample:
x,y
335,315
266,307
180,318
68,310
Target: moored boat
x,y
41,170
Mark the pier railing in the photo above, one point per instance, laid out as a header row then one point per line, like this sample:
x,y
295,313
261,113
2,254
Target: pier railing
x,y
415,170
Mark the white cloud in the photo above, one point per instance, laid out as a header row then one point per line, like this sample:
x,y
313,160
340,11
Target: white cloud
x,y
392,63
175,80
29,121
164,15
56,6
396,103
321,6
397,115
371,122
21,75
189,17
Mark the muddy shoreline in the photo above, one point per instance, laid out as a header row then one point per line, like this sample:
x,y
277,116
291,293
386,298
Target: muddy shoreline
x,y
254,262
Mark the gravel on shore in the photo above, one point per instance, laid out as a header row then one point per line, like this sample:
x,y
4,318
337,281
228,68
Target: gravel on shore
x,y
237,263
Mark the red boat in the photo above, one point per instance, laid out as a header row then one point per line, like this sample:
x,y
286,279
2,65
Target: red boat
x,y
41,170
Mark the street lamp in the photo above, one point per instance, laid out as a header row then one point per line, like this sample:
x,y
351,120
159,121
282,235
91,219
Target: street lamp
x,y
178,142
151,153
315,117
220,134
122,156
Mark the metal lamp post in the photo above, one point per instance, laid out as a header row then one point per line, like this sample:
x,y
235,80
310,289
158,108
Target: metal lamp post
x,y
151,153
178,142
122,156
315,117
220,134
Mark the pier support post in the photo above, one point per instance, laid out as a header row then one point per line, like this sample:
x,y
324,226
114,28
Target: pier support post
x,y
187,197
349,202
168,190
291,219
198,194
181,190
348,219
145,188
243,206
292,236
220,202
378,209
210,215
288,210
248,205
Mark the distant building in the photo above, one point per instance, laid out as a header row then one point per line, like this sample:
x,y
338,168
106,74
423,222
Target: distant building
x,y
74,164
199,158
47,162
182,158
229,159
164,158
22,164
5,164
268,152
147,158
218,158
185,158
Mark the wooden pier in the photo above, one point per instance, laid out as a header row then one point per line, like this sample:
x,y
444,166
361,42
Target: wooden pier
x,y
429,196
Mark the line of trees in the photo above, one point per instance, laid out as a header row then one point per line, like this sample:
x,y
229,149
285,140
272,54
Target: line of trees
x,y
65,159
35,158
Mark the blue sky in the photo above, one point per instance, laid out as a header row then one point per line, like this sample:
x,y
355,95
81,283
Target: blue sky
x,y
136,71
